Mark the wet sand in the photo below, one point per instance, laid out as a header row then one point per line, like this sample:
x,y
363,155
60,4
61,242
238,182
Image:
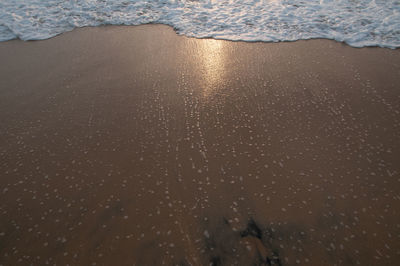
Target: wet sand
x,y
133,145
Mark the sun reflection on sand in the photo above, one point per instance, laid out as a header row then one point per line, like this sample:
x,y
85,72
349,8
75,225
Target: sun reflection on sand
x,y
212,56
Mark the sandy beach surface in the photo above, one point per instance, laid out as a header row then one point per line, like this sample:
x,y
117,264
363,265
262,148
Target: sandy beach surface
x,y
136,146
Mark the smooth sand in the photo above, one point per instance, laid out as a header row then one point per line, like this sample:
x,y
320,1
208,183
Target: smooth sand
x,y
122,145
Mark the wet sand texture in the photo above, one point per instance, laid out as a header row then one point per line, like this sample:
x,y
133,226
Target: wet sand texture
x,y
132,145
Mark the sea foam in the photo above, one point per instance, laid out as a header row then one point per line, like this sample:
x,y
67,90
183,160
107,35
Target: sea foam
x,y
358,23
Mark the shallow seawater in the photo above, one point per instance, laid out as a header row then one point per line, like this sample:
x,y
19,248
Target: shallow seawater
x,y
358,23
205,153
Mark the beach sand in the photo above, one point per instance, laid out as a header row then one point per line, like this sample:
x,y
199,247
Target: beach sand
x,y
133,145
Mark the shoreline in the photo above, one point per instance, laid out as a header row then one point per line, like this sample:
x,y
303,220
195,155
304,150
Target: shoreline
x,y
204,38
133,144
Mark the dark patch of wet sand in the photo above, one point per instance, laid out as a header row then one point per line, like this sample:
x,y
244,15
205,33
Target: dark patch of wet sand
x,y
122,145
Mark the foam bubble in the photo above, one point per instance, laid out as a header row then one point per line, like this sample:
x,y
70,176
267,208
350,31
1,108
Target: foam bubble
x,y
357,22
